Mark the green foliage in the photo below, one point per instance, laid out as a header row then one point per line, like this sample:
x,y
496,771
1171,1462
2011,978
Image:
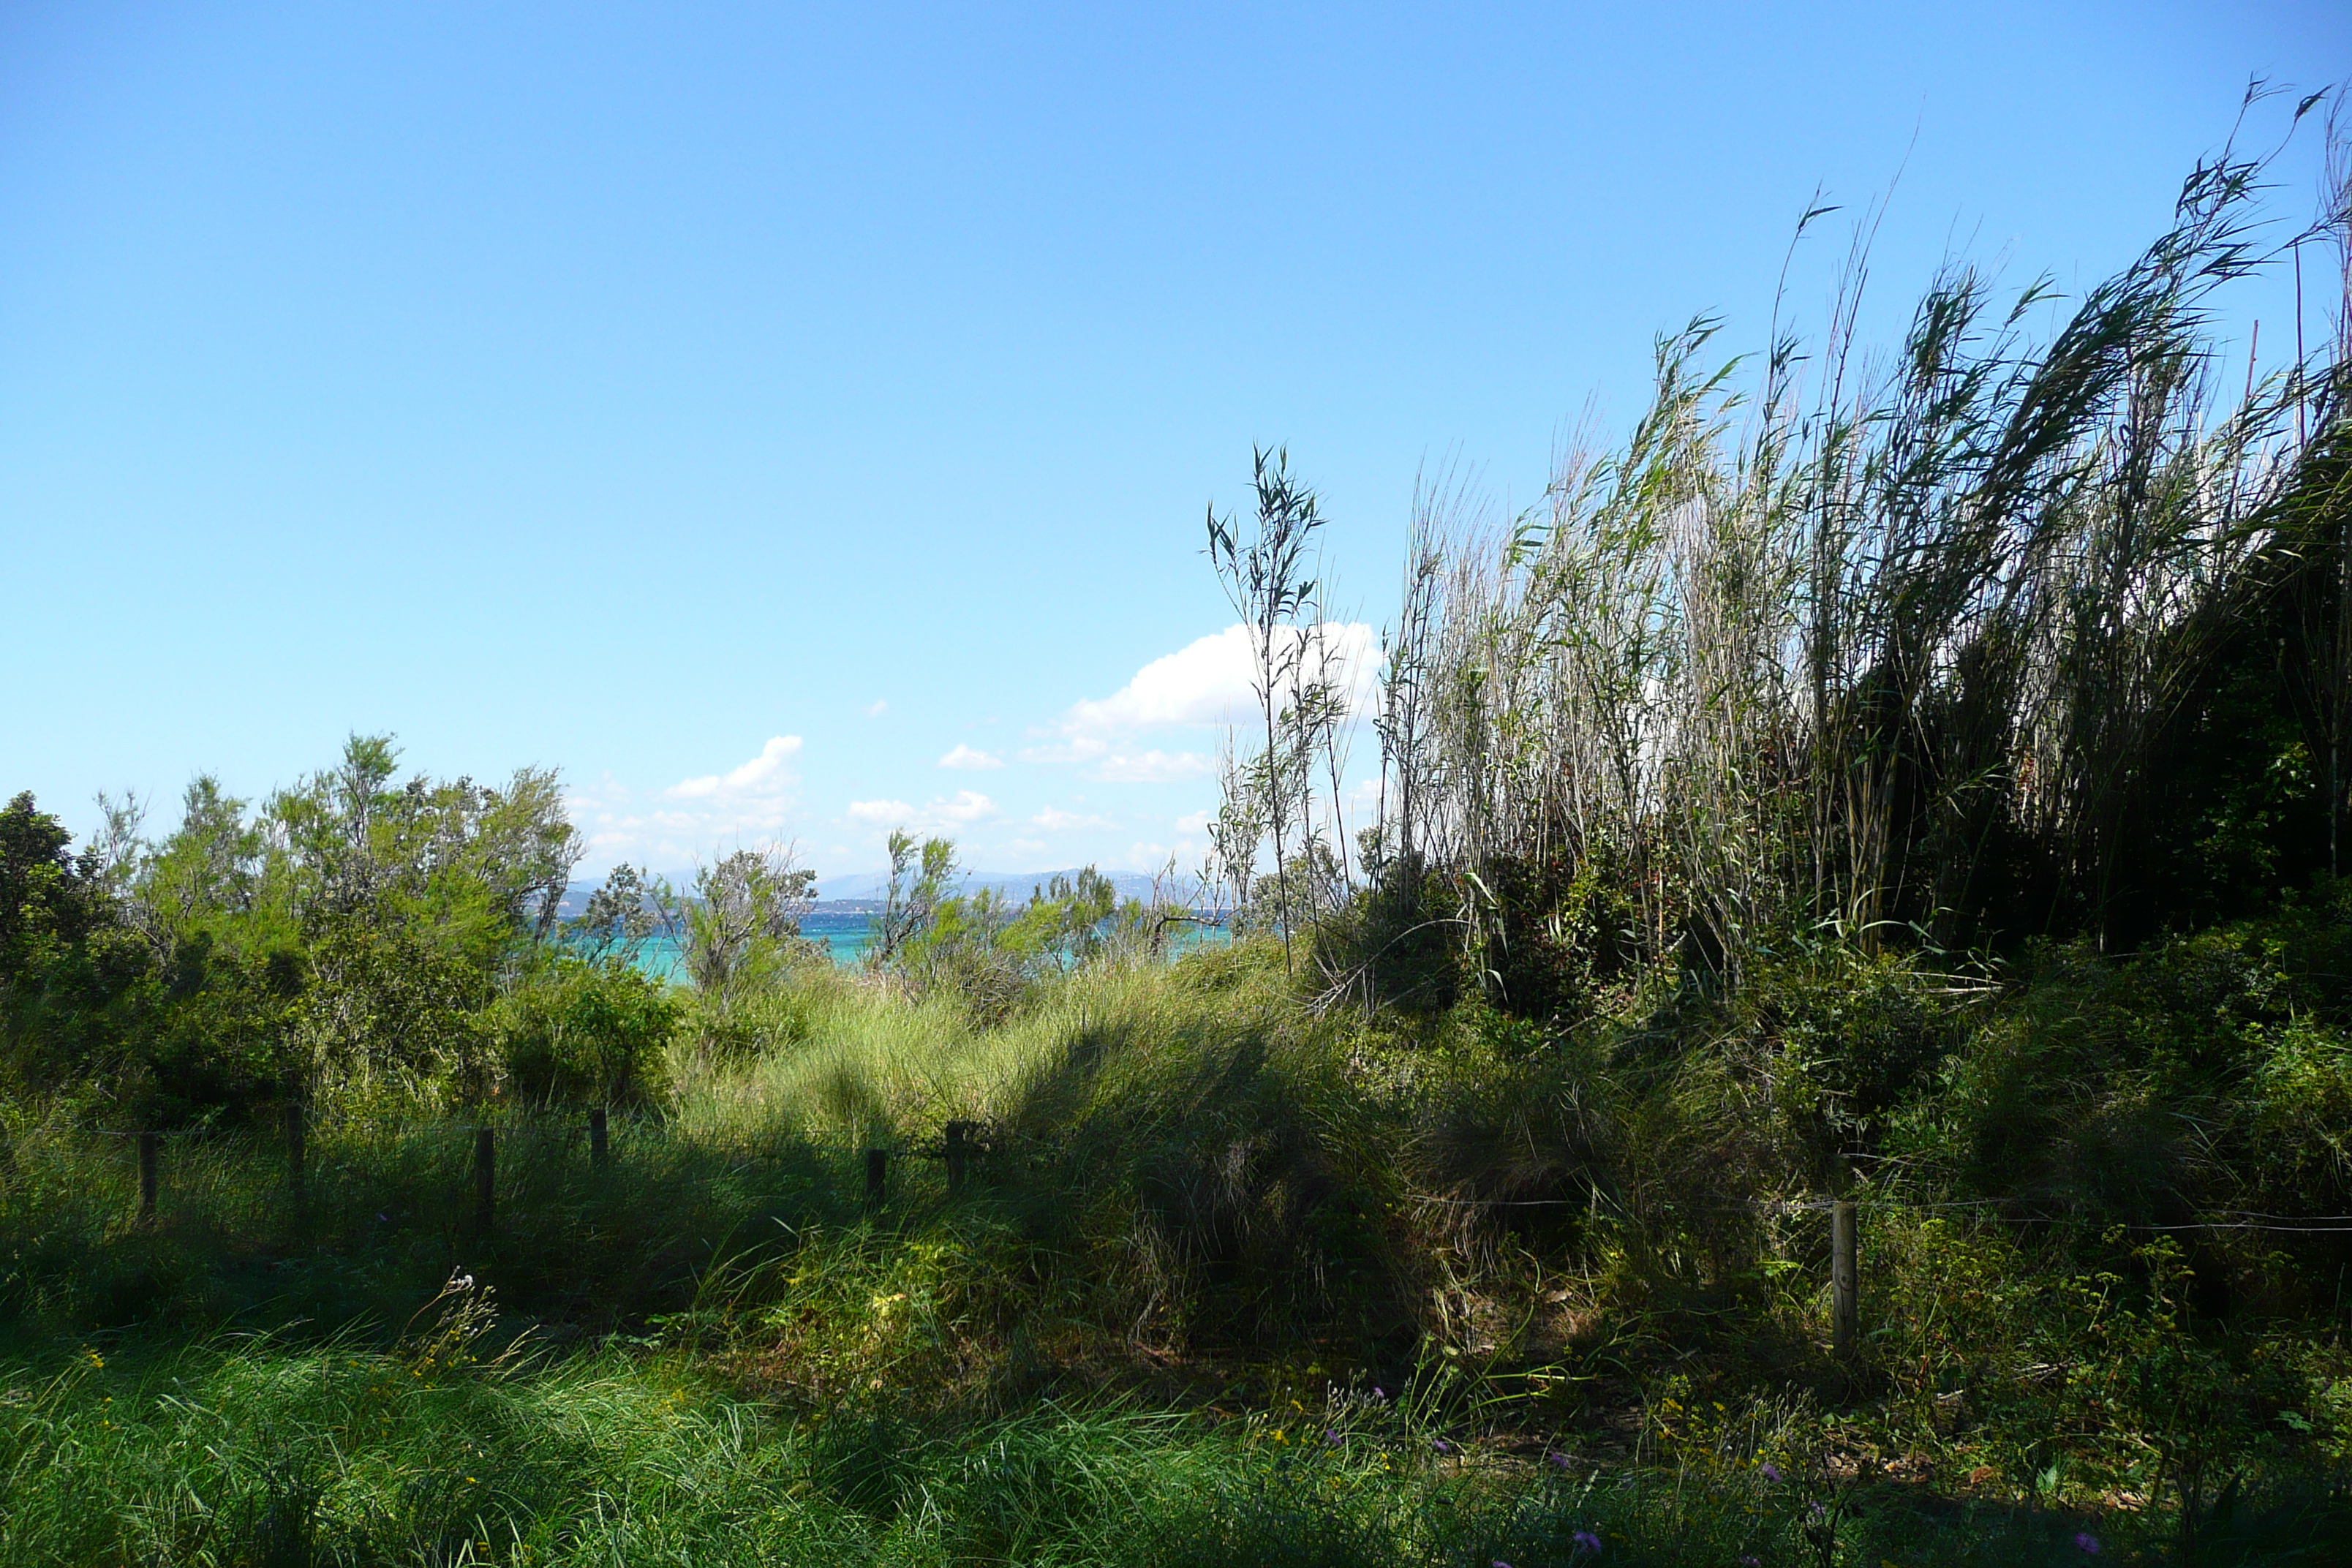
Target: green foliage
x,y
162,1023
2204,1073
46,897
920,877
349,933
1866,1029
1267,576
2296,1125
1538,1236
269,1452
69,973
260,1450
622,916
1398,944
988,953
741,927
965,949
582,1032
478,865
385,1003
2000,641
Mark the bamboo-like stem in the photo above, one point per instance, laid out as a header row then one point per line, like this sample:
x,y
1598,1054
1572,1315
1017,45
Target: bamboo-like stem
x,y
1874,656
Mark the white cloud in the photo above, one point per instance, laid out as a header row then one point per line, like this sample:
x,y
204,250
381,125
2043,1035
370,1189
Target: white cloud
x,y
969,806
1208,682
965,756
1205,682
1154,767
1076,749
962,809
1055,820
767,773
1194,822
750,804
876,708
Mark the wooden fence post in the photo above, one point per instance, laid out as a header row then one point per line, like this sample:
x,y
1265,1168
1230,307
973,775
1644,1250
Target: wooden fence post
x,y
484,1179
150,1175
877,1177
600,1146
1844,1279
959,1154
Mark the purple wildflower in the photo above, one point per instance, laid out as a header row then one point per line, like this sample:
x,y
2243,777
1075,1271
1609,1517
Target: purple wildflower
x,y
1559,1459
1380,1394
1442,1446
1772,1473
2086,1542
1500,1563
1751,1560
1331,1435
1585,1540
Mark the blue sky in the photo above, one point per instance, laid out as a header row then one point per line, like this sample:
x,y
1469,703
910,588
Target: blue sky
x,y
793,420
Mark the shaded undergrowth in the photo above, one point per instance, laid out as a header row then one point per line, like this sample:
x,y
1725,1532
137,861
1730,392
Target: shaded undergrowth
x,y
1231,1280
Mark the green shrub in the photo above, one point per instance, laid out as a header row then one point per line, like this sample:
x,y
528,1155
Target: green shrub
x,y
2297,1120
582,1032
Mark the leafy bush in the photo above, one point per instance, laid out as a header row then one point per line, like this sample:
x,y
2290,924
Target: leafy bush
x,y
346,936
586,1032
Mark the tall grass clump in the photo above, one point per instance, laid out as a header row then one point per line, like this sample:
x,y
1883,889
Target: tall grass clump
x,y
2000,637
257,1452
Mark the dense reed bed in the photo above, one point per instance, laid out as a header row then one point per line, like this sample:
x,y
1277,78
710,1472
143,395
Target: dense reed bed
x,y
2034,627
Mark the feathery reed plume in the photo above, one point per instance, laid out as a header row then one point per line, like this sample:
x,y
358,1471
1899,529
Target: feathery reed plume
x,y
1938,645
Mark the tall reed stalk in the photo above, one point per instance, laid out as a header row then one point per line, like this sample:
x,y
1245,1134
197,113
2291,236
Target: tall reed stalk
x,y
1928,642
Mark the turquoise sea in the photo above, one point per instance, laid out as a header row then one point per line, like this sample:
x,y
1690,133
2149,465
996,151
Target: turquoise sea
x,y
847,935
